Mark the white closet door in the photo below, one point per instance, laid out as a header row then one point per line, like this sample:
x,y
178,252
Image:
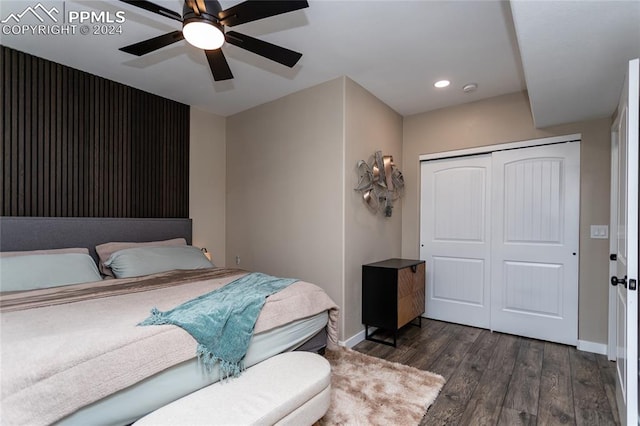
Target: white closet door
x,y
535,242
455,228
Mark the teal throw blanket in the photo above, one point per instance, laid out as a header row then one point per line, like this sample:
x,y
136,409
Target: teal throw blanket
x,y
222,321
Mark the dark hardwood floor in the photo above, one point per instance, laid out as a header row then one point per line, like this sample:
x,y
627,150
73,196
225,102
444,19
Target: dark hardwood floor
x,y
500,379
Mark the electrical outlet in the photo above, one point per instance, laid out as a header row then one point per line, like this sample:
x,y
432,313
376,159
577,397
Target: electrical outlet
x,y
237,260
600,231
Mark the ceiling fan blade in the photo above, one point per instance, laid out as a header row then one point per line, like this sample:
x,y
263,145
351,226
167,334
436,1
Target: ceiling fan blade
x,y
218,64
147,46
191,4
202,6
270,51
152,7
253,10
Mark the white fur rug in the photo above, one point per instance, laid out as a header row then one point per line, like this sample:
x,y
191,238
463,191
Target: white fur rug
x,y
370,391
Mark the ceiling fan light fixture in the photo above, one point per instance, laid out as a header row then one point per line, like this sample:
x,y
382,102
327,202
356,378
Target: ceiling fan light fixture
x,y
203,26
203,34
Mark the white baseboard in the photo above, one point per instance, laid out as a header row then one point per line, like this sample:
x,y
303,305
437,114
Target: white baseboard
x,y
354,340
583,345
593,347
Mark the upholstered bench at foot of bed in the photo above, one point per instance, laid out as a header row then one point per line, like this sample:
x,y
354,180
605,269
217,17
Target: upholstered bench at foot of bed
x,y
292,388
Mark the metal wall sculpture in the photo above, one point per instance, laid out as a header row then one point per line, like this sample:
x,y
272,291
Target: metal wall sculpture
x,y
380,182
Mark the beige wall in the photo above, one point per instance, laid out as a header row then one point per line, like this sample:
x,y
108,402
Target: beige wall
x,y
370,125
285,177
289,175
207,182
291,207
508,119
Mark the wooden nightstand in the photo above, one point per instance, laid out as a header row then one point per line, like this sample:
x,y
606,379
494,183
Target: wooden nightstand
x,y
392,295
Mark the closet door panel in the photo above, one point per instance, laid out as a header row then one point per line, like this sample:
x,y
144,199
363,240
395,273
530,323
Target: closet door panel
x,y
535,242
455,218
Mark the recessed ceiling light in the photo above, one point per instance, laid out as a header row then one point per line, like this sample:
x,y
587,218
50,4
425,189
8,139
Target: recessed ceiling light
x,y
442,83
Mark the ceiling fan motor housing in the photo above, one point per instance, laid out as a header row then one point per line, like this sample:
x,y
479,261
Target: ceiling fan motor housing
x,y
208,15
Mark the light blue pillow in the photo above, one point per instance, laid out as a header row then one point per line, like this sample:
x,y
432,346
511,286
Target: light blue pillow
x,y
139,261
46,270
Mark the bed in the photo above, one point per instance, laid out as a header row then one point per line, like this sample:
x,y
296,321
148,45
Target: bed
x,y
74,355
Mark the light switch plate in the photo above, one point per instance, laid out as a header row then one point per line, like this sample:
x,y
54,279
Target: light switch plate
x,y
600,231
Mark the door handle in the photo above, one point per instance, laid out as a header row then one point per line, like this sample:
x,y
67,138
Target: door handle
x,y
615,281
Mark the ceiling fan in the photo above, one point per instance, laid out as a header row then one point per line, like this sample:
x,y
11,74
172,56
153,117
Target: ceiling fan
x,y
203,26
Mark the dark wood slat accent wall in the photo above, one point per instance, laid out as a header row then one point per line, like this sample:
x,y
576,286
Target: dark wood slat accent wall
x,y
74,144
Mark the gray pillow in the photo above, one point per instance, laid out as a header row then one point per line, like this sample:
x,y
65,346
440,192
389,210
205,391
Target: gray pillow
x,y
46,270
49,251
139,261
107,249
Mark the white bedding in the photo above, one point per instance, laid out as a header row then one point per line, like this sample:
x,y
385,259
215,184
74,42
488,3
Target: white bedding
x,y
59,358
130,404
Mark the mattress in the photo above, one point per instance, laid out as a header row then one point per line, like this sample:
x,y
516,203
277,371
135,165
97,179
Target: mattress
x,y
67,348
128,405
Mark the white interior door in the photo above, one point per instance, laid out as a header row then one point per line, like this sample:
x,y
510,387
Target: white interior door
x,y
455,218
626,236
534,267
612,329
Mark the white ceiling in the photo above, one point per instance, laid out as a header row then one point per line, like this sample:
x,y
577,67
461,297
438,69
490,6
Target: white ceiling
x,y
573,53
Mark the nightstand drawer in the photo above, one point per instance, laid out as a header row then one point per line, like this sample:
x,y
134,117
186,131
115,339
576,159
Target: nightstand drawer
x,y
410,293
